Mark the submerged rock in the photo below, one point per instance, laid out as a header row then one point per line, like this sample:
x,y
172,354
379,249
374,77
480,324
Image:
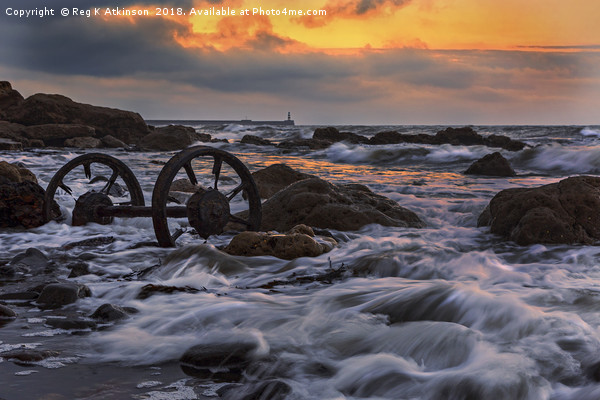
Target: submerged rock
x,y
6,312
563,212
31,261
71,324
273,178
110,312
315,202
28,355
152,289
78,268
271,389
491,165
56,295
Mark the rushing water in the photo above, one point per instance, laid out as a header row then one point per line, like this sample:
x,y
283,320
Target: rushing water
x,y
444,312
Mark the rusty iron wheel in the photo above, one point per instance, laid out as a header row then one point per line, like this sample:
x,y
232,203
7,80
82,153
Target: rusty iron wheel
x,y
119,169
212,220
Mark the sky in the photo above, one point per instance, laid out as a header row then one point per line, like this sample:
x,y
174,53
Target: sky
x,y
371,62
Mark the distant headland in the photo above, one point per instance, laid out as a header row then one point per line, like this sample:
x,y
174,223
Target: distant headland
x,y
286,122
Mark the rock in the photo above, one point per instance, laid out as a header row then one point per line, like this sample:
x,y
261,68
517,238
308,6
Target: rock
x,y
93,242
273,178
287,247
183,185
562,212
56,295
313,144
331,134
151,289
26,175
79,268
57,134
28,355
9,144
41,109
6,312
271,389
9,98
169,138
205,137
230,355
10,172
112,142
36,143
14,132
491,165
320,204
110,312
71,324
459,136
21,204
304,229
31,261
255,140
83,142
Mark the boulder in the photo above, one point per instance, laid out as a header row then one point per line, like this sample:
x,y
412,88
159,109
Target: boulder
x,y
332,135
110,312
41,109
14,132
273,178
112,142
562,212
287,247
152,289
491,165
83,142
313,144
78,268
28,355
6,312
56,295
9,172
169,138
465,136
255,140
57,134
22,204
183,185
320,204
9,98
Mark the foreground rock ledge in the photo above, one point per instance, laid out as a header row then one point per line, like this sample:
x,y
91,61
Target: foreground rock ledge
x,y
318,203
560,213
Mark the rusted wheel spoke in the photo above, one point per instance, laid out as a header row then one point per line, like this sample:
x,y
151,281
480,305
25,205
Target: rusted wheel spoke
x,y
65,188
110,183
87,169
217,169
235,191
190,173
238,220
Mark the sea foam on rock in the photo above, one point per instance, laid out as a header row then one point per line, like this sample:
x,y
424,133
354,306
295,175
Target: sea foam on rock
x,y
562,212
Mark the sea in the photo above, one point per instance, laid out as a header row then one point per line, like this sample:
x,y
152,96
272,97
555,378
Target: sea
x,y
448,311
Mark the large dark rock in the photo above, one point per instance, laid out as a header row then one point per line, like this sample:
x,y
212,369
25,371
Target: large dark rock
x,y
563,212
110,312
14,132
332,135
33,260
57,134
83,142
273,178
491,165
465,136
315,202
287,247
255,140
9,98
21,204
112,142
57,295
169,138
71,324
28,355
41,109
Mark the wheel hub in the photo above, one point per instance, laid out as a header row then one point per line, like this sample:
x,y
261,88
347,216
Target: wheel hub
x,y
208,212
86,209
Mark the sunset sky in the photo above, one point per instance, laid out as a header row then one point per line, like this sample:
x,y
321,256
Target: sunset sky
x,y
365,62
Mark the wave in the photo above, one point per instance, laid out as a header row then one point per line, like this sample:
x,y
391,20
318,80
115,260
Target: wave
x,y
554,158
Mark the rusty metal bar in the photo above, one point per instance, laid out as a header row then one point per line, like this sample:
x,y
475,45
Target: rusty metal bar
x,y
138,211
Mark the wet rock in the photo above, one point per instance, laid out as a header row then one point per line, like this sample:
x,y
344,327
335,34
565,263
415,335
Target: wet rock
x,y
10,172
9,98
315,202
110,312
332,135
28,355
79,268
41,109
70,324
31,261
205,137
93,242
112,142
9,144
228,357
14,132
273,178
491,165
26,175
6,312
183,185
58,134
22,296
255,140
459,136
272,389
83,142
151,289
21,204
287,247
563,212
169,138
57,295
